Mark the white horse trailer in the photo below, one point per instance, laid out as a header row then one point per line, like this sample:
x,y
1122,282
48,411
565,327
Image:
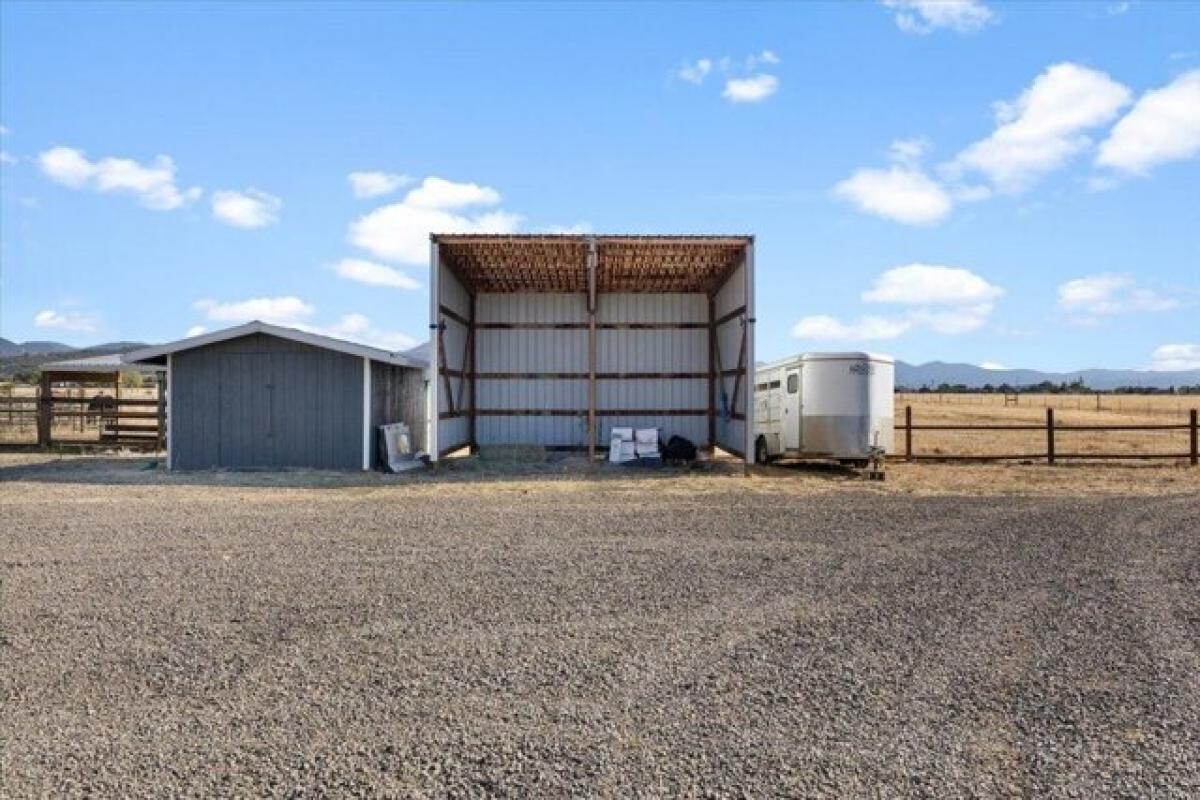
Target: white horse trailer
x,y
825,405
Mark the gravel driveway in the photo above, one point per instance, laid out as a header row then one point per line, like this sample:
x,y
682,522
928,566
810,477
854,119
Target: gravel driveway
x,y
663,637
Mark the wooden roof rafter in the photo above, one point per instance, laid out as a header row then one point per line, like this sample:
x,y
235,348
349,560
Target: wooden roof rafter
x,y
558,262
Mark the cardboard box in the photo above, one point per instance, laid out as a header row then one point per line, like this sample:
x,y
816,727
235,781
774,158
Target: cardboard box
x,y
647,436
620,452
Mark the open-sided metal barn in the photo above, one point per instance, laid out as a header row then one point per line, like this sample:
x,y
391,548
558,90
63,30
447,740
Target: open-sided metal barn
x,y
553,340
265,396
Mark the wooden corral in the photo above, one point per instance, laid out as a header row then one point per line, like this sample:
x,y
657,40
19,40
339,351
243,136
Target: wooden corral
x,y
82,403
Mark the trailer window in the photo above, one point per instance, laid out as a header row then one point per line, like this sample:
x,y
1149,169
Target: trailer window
x,y
793,383
774,385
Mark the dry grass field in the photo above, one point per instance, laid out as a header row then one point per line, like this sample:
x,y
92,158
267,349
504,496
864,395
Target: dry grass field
x,y
985,409
533,631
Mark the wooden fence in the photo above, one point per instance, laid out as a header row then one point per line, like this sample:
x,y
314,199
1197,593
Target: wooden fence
x,y
126,422
1051,454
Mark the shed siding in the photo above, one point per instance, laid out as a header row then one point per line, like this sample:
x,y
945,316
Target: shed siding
x,y
262,401
397,395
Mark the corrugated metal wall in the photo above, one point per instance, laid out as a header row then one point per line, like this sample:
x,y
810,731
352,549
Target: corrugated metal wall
x,y
566,351
669,351
731,431
532,351
261,401
452,393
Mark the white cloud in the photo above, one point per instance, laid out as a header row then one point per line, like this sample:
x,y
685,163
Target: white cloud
x,y
992,365
951,321
1094,296
755,60
400,231
376,184
285,310
1117,9
249,209
909,151
153,185
358,328
823,327
945,300
292,312
901,193
1044,127
753,89
1164,125
372,274
195,330
65,321
745,82
4,131
929,285
695,72
5,158
1176,357
443,195
925,16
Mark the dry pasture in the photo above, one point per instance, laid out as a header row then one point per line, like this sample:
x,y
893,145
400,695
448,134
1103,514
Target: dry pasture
x,y
989,409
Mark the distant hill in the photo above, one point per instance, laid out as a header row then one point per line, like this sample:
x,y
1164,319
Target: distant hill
x,y
915,376
10,348
18,357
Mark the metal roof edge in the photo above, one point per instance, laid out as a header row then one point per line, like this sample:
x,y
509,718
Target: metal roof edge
x,y
293,334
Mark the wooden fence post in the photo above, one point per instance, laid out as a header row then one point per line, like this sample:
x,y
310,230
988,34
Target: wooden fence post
x,y
1049,435
44,411
1193,435
908,453
162,412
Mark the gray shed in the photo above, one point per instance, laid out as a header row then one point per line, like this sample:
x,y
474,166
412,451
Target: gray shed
x,y
265,396
554,340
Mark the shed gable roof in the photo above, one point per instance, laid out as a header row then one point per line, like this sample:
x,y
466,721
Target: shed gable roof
x,y
305,337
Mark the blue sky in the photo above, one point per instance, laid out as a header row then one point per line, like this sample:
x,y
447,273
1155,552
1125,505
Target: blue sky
x,y
1011,184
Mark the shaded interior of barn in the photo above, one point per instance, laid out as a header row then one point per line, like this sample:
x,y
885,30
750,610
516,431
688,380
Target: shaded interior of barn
x,y
553,340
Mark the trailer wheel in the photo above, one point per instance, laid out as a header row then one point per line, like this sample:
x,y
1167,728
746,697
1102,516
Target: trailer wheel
x,y
761,455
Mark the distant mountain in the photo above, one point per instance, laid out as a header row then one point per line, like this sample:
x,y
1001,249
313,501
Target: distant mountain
x,y
915,376
28,356
10,348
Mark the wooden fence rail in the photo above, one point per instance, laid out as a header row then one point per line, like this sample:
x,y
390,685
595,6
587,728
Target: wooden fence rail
x,y
1051,454
128,422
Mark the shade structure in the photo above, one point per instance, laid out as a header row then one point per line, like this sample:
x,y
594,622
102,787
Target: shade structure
x,y
553,340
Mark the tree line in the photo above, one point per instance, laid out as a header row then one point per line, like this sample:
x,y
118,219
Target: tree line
x,y
1045,387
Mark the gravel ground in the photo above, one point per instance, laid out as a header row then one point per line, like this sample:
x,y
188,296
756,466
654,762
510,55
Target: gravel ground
x,y
682,636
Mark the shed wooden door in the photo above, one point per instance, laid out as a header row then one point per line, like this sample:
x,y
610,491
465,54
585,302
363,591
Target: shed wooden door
x,y
246,398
